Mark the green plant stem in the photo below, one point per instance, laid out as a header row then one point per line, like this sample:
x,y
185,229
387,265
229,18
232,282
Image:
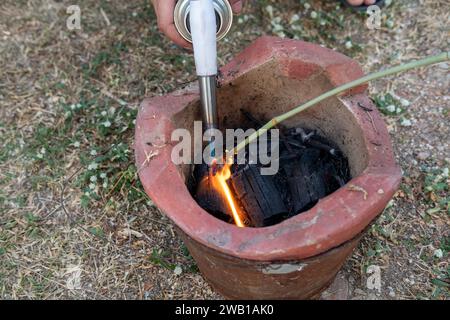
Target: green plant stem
x,y
380,74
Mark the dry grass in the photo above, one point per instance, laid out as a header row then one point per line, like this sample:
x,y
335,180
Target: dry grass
x,y
59,90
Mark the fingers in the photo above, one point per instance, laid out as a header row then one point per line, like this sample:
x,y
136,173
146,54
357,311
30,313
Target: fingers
x,y
355,2
164,12
358,3
236,5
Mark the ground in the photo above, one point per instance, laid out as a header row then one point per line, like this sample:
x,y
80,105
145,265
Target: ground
x,y
74,221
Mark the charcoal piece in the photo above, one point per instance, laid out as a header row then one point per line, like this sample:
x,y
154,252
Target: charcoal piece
x,y
258,195
319,145
313,140
334,175
295,143
305,178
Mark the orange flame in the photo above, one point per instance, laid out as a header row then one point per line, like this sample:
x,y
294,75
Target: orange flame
x,y
219,182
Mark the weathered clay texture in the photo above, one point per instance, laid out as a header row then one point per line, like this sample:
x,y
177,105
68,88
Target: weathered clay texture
x,y
300,256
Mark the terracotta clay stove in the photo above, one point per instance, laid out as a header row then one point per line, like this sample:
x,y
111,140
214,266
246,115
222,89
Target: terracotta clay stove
x,y
299,257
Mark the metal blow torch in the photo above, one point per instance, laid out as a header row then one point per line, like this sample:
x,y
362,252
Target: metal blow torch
x,y
203,22
203,31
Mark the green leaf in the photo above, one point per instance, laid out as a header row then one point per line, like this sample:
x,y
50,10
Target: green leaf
x,y
158,259
440,283
96,231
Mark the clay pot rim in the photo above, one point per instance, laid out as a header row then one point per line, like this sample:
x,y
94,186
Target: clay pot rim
x,y
331,222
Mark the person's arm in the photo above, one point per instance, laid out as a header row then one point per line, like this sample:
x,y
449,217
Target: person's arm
x,y
164,13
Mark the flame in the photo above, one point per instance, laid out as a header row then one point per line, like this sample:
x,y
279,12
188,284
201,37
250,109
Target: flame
x,y
219,182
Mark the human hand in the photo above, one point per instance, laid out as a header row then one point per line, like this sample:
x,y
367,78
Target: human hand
x,y
164,13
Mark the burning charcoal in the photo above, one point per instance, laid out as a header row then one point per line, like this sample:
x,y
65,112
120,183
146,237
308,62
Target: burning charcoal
x,y
305,180
258,195
207,197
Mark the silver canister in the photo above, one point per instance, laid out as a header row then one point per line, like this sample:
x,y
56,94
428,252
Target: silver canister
x,y
224,18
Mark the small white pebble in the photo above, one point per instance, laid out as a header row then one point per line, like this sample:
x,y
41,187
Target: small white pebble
x,y
404,102
391,108
294,18
423,155
438,253
269,10
277,28
177,270
276,20
93,166
406,123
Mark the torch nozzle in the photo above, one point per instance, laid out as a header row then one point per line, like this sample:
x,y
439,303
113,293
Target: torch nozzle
x,y
213,168
208,98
